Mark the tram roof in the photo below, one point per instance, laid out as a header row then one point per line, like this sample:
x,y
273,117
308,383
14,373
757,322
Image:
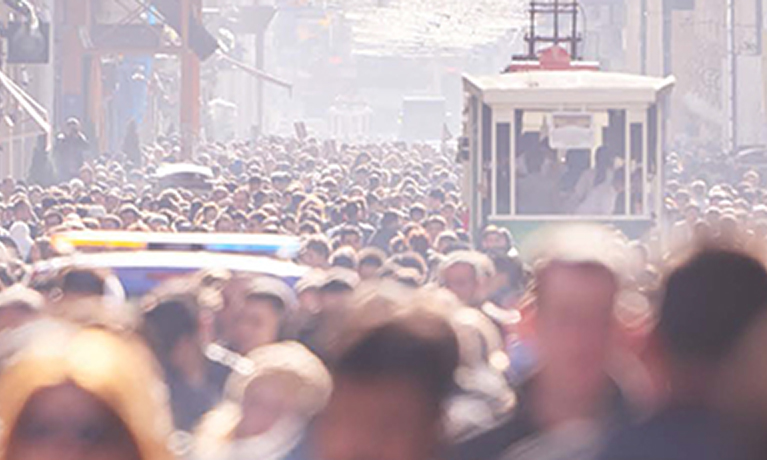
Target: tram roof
x,y
557,87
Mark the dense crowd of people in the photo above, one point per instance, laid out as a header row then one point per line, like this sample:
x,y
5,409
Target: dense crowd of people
x,y
407,339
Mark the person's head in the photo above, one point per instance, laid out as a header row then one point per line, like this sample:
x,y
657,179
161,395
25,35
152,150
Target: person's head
x,y
255,221
509,281
344,257
713,214
370,262
72,127
259,320
7,186
129,215
446,240
171,326
699,189
390,220
459,274
495,240
692,214
78,283
86,175
350,236
22,210
434,226
417,212
391,380
315,252
225,224
85,395
111,222
112,202
351,212
713,329
209,213
448,211
241,199
254,184
575,302
435,200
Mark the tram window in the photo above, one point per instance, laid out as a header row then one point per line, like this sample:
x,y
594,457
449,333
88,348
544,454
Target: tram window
x,y
536,165
537,181
614,134
503,168
592,178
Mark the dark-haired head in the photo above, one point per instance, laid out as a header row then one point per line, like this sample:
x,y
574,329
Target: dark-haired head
x,y
709,303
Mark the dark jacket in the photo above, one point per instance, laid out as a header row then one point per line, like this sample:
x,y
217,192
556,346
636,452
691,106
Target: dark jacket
x,y
679,433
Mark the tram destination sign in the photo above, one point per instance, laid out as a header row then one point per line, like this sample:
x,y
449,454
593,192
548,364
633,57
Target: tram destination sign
x,y
571,130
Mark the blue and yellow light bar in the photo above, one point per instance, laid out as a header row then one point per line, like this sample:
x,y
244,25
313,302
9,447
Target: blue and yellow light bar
x,y
280,246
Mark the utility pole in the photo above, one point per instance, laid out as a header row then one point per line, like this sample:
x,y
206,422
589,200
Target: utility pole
x,y
732,68
260,16
260,35
190,81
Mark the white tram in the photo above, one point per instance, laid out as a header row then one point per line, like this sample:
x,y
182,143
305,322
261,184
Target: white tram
x,y
556,140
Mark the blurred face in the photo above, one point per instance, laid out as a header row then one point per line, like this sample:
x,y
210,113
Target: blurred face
x,y
110,224
575,323
210,214
712,217
352,240
313,259
220,195
73,129
241,200
23,212
494,242
52,221
433,203
461,280
35,197
448,212
692,215
86,175
111,202
7,187
434,229
378,419
257,324
253,226
128,219
280,185
225,225
417,215
7,215
444,243
66,423
265,402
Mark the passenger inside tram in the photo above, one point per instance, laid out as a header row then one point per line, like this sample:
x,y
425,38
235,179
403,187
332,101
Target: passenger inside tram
x,y
557,172
537,188
595,192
